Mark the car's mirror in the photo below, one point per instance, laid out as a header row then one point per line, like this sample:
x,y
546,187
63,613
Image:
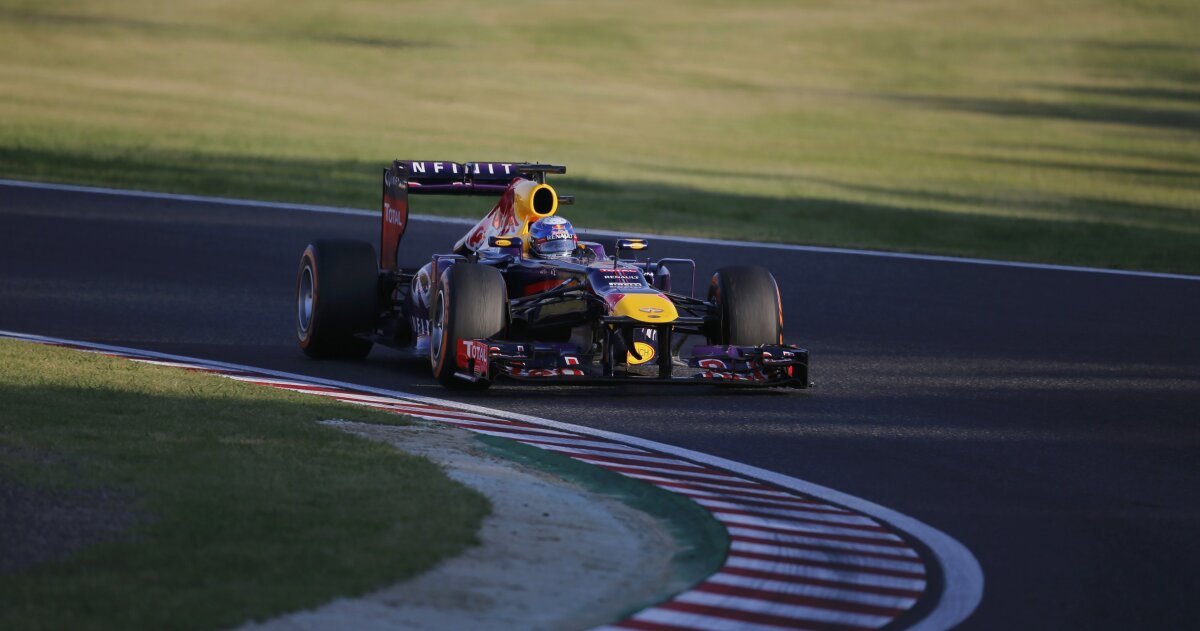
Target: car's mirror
x,y
635,245
504,242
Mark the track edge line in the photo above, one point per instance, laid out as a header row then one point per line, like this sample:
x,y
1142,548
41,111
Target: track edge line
x,y
335,210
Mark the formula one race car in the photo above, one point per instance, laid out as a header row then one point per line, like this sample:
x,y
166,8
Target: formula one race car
x,y
521,297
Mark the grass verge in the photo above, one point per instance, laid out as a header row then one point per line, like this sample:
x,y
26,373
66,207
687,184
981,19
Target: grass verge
x,y
242,506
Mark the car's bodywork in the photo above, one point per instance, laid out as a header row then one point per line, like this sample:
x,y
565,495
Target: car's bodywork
x,y
597,316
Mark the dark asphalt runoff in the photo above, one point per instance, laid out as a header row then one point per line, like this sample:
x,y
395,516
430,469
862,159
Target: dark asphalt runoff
x,y
1048,420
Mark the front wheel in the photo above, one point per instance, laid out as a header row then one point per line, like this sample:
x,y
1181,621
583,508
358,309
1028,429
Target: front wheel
x,y
337,298
471,302
748,307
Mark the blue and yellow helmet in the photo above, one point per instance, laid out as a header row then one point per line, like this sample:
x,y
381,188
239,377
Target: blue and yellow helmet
x,y
552,238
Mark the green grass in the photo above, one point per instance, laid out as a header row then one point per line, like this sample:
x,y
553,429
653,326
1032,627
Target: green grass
x,y
1065,133
245,506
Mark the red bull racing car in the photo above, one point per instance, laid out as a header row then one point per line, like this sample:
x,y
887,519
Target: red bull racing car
x,y
521,297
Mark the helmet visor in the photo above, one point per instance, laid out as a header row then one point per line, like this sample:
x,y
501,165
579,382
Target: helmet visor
x,y
555,247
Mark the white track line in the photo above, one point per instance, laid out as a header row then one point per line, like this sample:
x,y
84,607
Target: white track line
x,y
225,201
963,578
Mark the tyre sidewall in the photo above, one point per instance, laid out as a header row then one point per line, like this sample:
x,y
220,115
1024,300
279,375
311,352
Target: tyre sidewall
x,y
345,297
748,307
475,303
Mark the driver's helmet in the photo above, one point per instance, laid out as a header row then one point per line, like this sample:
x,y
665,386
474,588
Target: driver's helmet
x,y
552,238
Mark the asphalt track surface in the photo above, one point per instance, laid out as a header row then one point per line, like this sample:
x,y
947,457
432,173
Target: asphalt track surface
x,y
1048,420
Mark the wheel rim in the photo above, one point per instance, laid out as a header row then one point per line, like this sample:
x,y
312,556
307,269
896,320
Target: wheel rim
x,y
435,330
304,300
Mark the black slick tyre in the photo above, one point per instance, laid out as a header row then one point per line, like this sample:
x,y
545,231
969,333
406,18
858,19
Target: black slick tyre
x,y
748,307
337,298
470,302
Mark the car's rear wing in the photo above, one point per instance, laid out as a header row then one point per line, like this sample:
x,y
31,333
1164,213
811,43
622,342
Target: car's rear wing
x,y
427,177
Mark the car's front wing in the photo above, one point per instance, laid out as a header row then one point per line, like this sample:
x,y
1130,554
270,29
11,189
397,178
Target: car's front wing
x,y
773,365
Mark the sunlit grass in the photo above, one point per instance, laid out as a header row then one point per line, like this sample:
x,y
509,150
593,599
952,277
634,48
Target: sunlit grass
x,y
1065,132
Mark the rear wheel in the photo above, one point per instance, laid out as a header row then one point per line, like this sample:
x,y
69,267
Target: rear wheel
x,y
471,302
337,297
748,305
